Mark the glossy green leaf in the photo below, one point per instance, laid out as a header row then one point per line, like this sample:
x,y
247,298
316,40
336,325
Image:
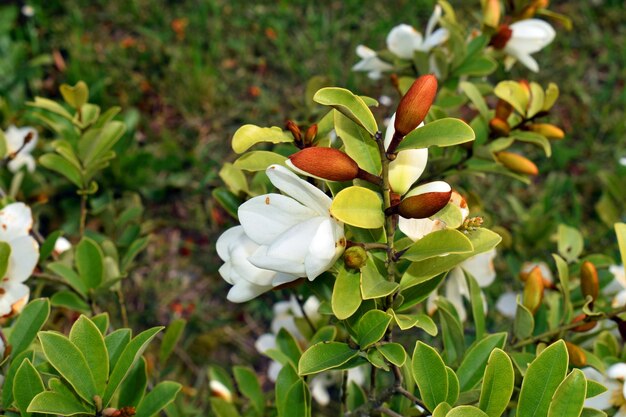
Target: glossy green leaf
x,y
298,400
430,374
569,398
498,384
27,384
453,386
570,243
620,231
348,104
592,412
249,135
324,334
69,300
259,160
419,290
438,243
346,297
377,359
373,285
131,353
163,394
513,93
324,356
542,378
442,410
524,323
115,343
86,336
594,388
222,408
288,345
249,386
70,362
358,144
372,327
89,262
27,324
451,331
358,206
394,353
466,411
52,402
172,335
563,271
476,300
441,133
60,165
477,66
474,362
9,376
287,378
94,146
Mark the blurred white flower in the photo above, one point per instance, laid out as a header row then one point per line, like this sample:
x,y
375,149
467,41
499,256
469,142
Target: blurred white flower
x,y
403,40
622,161
62,245
28,10
527,37
385,100
296,234
618,285
507,302
370,63
220,390
16,222
615,395
16,138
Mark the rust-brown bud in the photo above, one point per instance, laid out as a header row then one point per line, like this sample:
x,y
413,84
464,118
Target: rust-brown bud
x,y
355,257
415,104
503,109
425,200
517,163
325,163
576,355
499,126
311,134
584,325
291,126
548,130
589,284
533,290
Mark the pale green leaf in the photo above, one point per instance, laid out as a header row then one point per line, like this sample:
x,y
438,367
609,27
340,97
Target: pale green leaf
x,y
259,160
358,206
513,93
569,398
430,374
349,104
438,243
498,384
358,144
474,362
346,297
89,340
249,135
441,133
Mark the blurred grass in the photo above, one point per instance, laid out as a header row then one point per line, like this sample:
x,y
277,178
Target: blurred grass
x,y
188,73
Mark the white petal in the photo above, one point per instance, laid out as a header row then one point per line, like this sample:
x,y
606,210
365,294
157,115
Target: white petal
x,y
261,259
617,371
307,194
545,269
295,243
527,60
416,229
241,266
364,52
481,267
265,342
16,220
319,388
274,370
530,35
602,401
437,38
619,274
430,187
226,240
326,247
62,245
15,139
619,299
23,259
244,291
22,160
406,169
311,308
434,19
403,40
456,288
12,293
507,304
281,278
266,217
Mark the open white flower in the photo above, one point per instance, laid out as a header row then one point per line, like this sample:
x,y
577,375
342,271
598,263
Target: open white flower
x,y
295,232
527,37
16,222
615,395
15,138
404,40
617,287
370,63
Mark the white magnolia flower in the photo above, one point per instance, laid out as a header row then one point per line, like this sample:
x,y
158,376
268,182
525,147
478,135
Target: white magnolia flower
x,y
295,232
15,138
622,161
62,245
404,40
615,395
16,222
370,63
528,36
617,286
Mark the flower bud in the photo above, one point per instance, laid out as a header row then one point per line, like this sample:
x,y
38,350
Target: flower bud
x,y
499,126
311,134
533,290
584,326
501,37
589,284
517,163
503,109
324,163
576,355
294,129
415,104
425,200
548,130
491,13
355,257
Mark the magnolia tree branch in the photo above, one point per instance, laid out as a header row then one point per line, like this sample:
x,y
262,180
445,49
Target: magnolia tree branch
x,y
569,326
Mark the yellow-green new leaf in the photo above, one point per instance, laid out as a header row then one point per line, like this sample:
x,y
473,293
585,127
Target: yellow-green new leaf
x,y
249,135
513,93
349,104
75,96
620,231
358,206
430,374
439,243
259,160
442,132
537,98
346,297
466,411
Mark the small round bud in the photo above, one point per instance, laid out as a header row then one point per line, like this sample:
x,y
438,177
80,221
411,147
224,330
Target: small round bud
x,y
324,163
355,257
589,284
499,126
425,200
576,355
415,104
517,163
533,290
548,130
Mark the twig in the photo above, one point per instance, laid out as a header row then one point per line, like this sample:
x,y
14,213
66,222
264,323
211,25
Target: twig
x,y
388,412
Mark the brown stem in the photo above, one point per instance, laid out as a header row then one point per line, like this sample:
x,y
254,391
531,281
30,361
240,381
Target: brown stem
x,y
366,176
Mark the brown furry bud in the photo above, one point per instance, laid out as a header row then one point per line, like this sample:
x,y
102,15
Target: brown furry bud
x,y
533,290
499,126
415,104
311,134
589,284
425,200
584,326
294,129
576,355
548,130
517,163
325,163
